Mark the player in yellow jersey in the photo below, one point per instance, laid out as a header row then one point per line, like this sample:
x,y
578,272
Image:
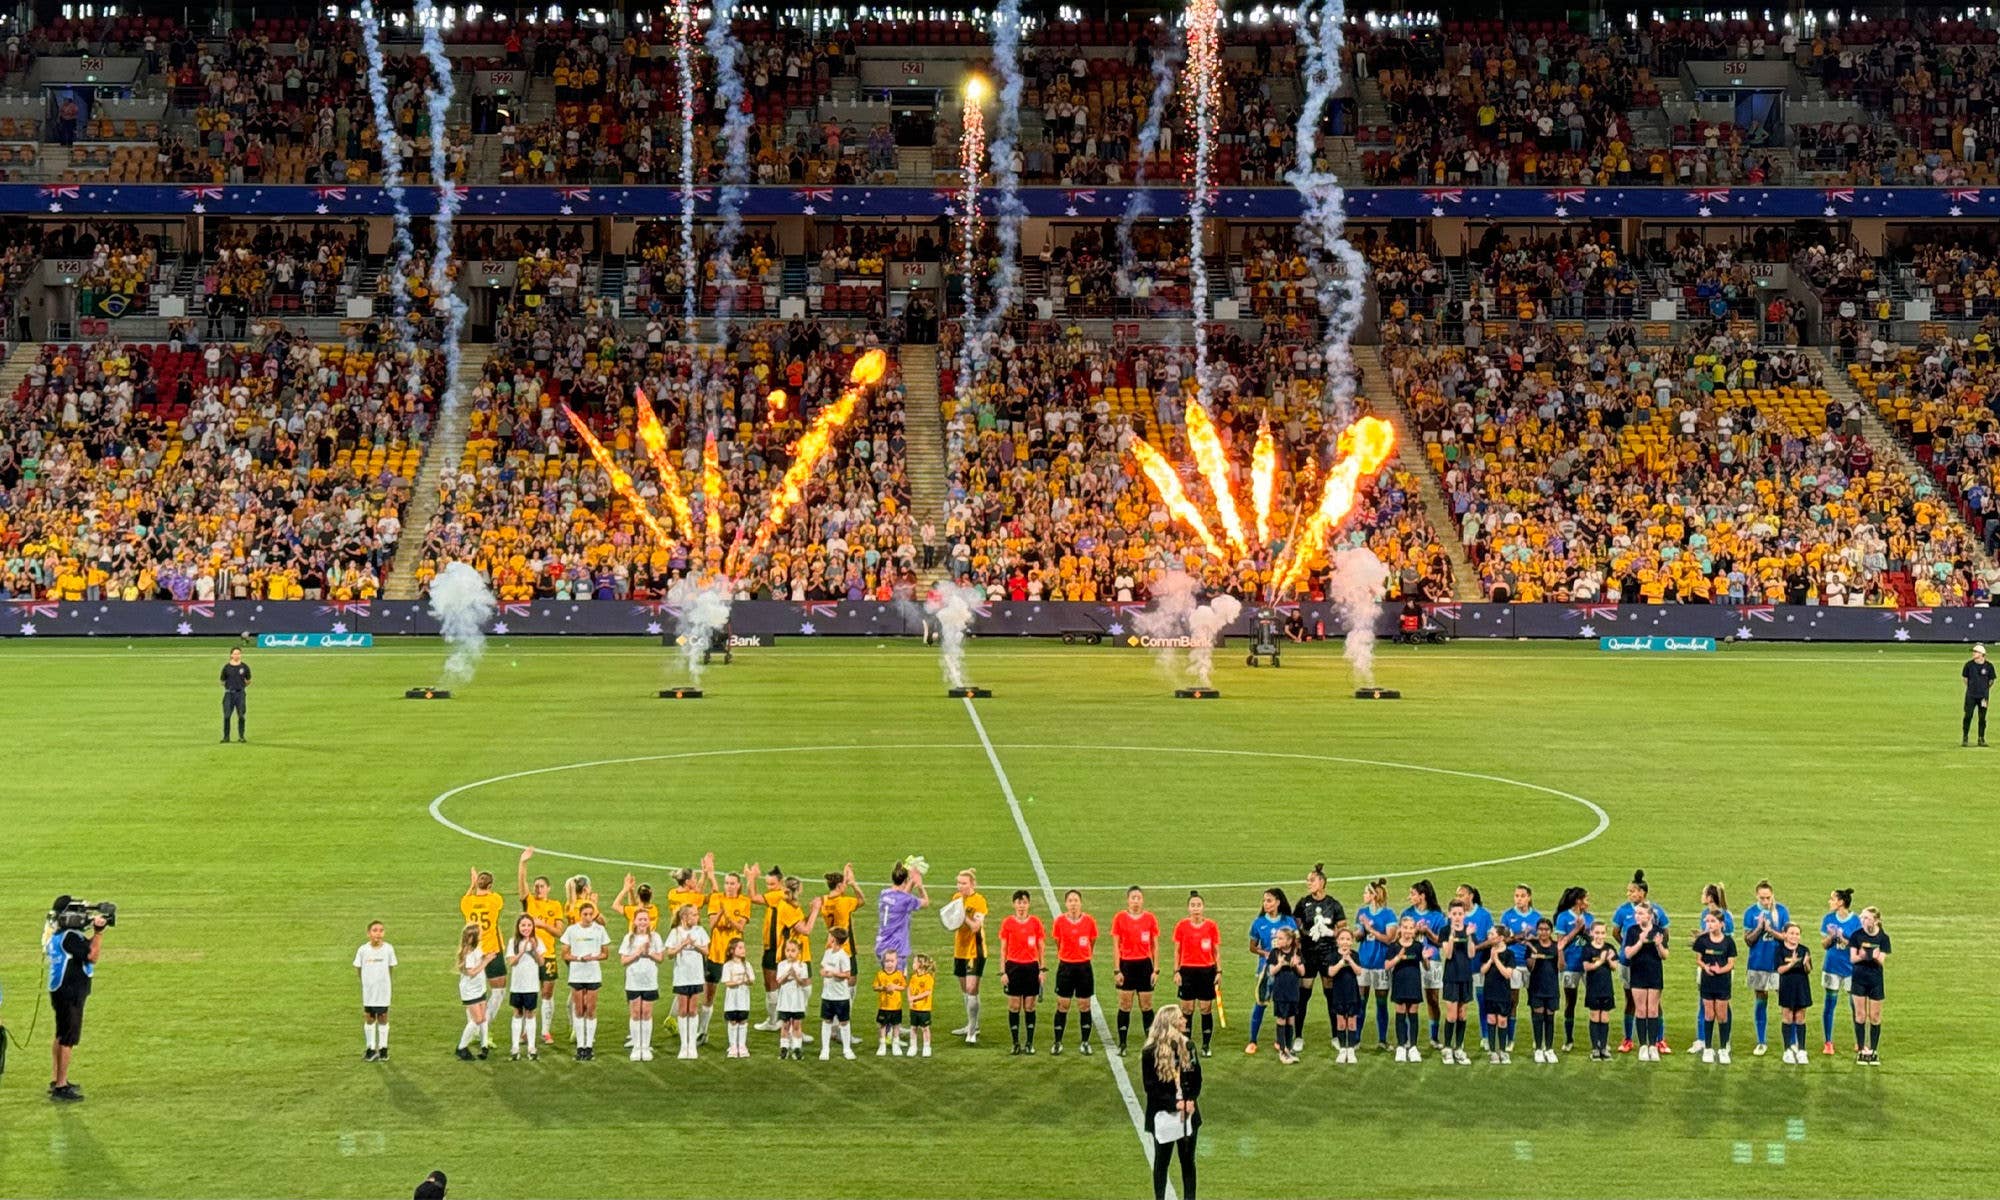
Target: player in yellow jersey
x,y
728,919
968,950
890,985
783,921
843,896
482,906
923,994
550,921
633,899
577,892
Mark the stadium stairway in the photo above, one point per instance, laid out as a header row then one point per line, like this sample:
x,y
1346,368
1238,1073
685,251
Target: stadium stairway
x,y
1889,449
1410,457
20,356
923,441
445,452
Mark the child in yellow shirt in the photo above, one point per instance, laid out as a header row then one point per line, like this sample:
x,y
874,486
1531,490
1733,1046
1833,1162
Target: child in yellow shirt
x,y
923,986
890,986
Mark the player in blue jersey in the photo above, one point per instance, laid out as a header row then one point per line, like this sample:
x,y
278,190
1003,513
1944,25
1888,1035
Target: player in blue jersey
x,y
1375,918
1430,921
1276,915
1480,922
1763,931
1835,966
1637,893
1713,900
1520,922
1573,925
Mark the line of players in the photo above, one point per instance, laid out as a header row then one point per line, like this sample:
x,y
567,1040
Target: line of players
x,y
1455,959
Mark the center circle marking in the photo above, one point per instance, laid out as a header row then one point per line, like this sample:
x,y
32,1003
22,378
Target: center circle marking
x,y
437,803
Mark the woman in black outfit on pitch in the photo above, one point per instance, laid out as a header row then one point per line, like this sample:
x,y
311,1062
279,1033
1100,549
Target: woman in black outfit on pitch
x,y
1171,1076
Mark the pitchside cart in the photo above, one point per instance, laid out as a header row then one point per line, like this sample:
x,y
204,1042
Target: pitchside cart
x,y
1265,644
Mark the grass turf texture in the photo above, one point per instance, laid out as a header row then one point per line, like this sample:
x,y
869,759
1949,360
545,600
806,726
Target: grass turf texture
x,y
222,1055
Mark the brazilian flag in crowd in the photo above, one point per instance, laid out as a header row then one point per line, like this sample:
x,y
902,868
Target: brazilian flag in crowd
x,y
114,305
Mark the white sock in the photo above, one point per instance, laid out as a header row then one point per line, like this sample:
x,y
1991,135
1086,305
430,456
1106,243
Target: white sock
x,y
514,1034
590,1032
496,1000
707,1012
846,1036
471,1032
382,1036
972,1012
770,1009
486,1032
548,1015
368,1031
825,1035
646,1034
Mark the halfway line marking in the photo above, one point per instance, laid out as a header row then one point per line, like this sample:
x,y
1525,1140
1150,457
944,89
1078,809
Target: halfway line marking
x,y
1116,1062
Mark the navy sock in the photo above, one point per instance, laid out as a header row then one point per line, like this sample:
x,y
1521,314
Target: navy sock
x,y
1726,1023
1874,1036
1381,1020
1763,1003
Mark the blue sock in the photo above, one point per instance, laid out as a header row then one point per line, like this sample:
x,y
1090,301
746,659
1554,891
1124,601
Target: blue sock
x,y
1660,1025
1256,1021
1700,1024
1826,1016
1485,1025
1381,1021
1628,1026
1762,1003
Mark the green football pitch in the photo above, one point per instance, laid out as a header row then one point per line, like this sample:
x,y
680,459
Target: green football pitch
x,y
223,1050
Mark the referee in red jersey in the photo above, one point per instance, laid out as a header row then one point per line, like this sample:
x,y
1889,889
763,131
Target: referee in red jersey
x,y
1023,945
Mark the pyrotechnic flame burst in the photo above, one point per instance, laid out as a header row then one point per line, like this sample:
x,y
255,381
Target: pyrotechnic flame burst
x,y
812,449
1362,450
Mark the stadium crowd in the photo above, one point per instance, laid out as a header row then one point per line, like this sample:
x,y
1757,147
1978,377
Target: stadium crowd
x,y
272,470
1712,471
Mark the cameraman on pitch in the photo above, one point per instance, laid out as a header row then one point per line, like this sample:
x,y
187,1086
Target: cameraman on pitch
x,y
72,960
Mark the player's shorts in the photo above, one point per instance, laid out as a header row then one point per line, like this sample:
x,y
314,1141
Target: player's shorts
x,y
782,1016
375,1010
741,1016
1315,965
574,986
969,968
1625,975
1197,983
1457,991
1868,989
1829,982
1373,979
524,1001
1075,981
1572,980
835,1010
69,1018
920,1019
1519,979
770,956
1137,974
551,970
481,999
1024,980
1761,981
496,967
1433,974
687,989
889,1018
649,995
711,971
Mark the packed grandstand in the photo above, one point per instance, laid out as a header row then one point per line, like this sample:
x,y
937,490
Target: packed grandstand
x,y
1607,410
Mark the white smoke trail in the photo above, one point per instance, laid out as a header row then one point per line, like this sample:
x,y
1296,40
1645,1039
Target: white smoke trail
x,y
1205,625
684,78
1356,585
704,610
954,606
1342,285
723,48
1140,202
1008,209
392,177
461,604
444,289
1174,598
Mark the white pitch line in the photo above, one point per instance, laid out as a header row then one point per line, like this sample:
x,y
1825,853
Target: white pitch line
x,y
1603,818
1116,1061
